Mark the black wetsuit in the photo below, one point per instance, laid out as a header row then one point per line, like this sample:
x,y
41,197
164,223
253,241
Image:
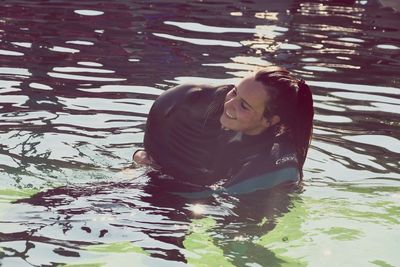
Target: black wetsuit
x,y
184,136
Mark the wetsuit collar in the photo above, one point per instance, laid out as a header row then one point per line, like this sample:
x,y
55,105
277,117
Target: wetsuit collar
x,y
266,135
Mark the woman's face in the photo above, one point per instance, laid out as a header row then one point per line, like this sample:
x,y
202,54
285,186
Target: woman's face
x,y
244,107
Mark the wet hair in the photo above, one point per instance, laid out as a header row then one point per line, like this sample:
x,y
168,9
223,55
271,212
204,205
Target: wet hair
x,y
291,100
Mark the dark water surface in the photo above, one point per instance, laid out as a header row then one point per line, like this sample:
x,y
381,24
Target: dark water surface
x,y
77,79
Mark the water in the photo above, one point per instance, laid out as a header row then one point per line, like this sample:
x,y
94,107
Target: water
x,y
77,80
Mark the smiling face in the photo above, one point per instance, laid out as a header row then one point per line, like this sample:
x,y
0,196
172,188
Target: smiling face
x,y
244,107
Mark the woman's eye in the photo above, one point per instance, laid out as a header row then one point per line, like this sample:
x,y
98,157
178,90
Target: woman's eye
x,y
243,106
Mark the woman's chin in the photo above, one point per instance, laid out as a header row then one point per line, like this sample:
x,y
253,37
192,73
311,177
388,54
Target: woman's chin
x,y
225,123
222,120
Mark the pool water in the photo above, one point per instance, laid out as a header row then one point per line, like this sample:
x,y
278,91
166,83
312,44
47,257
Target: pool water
x,y
77,80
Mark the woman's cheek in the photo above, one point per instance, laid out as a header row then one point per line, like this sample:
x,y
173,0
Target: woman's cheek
x,y
229,104
244,116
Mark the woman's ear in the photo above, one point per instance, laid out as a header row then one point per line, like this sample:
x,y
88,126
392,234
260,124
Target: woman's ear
x,y
274,120
271,121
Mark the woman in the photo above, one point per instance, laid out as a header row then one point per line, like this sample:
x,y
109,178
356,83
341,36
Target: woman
x,y
251,136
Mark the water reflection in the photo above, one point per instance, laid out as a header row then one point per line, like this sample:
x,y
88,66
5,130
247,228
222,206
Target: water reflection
x,y
71,218
76,84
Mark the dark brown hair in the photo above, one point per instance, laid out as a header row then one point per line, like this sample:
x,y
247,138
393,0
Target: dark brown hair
x,y
291,100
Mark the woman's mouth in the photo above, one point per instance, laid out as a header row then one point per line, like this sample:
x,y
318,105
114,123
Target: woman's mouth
x,y
229,115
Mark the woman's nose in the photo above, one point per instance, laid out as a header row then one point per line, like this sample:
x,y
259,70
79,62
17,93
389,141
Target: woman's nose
x,y
232,102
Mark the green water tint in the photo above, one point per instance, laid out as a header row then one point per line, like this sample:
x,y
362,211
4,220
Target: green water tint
x,y
12,194
201,251
298,234
325,226
119,247
9,195
121,253
342,234
83,265
287,229
382,263
343,231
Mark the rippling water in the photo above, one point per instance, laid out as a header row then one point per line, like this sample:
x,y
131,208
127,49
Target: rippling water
x,y
77,80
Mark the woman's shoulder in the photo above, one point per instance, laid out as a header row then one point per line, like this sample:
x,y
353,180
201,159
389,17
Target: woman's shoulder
x,y
283,152
192,88
190,93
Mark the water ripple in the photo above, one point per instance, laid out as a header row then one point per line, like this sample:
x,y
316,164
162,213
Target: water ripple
x,y
63,49
10,53
124,89
366,97
78,42
364,88
265,30
40,86
15,71
80,70
141,106
207,42
383,141
91,64
77,82
86,12
83,78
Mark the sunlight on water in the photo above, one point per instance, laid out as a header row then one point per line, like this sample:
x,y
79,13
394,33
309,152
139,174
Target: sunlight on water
x,y
63,49
266,31
80,69
83,78
386,142
23,44
387,46
319,68
89,12
10,53
15,71
40,86
91,64
124,89
289,46
77,81
197,209
208,42
80,42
